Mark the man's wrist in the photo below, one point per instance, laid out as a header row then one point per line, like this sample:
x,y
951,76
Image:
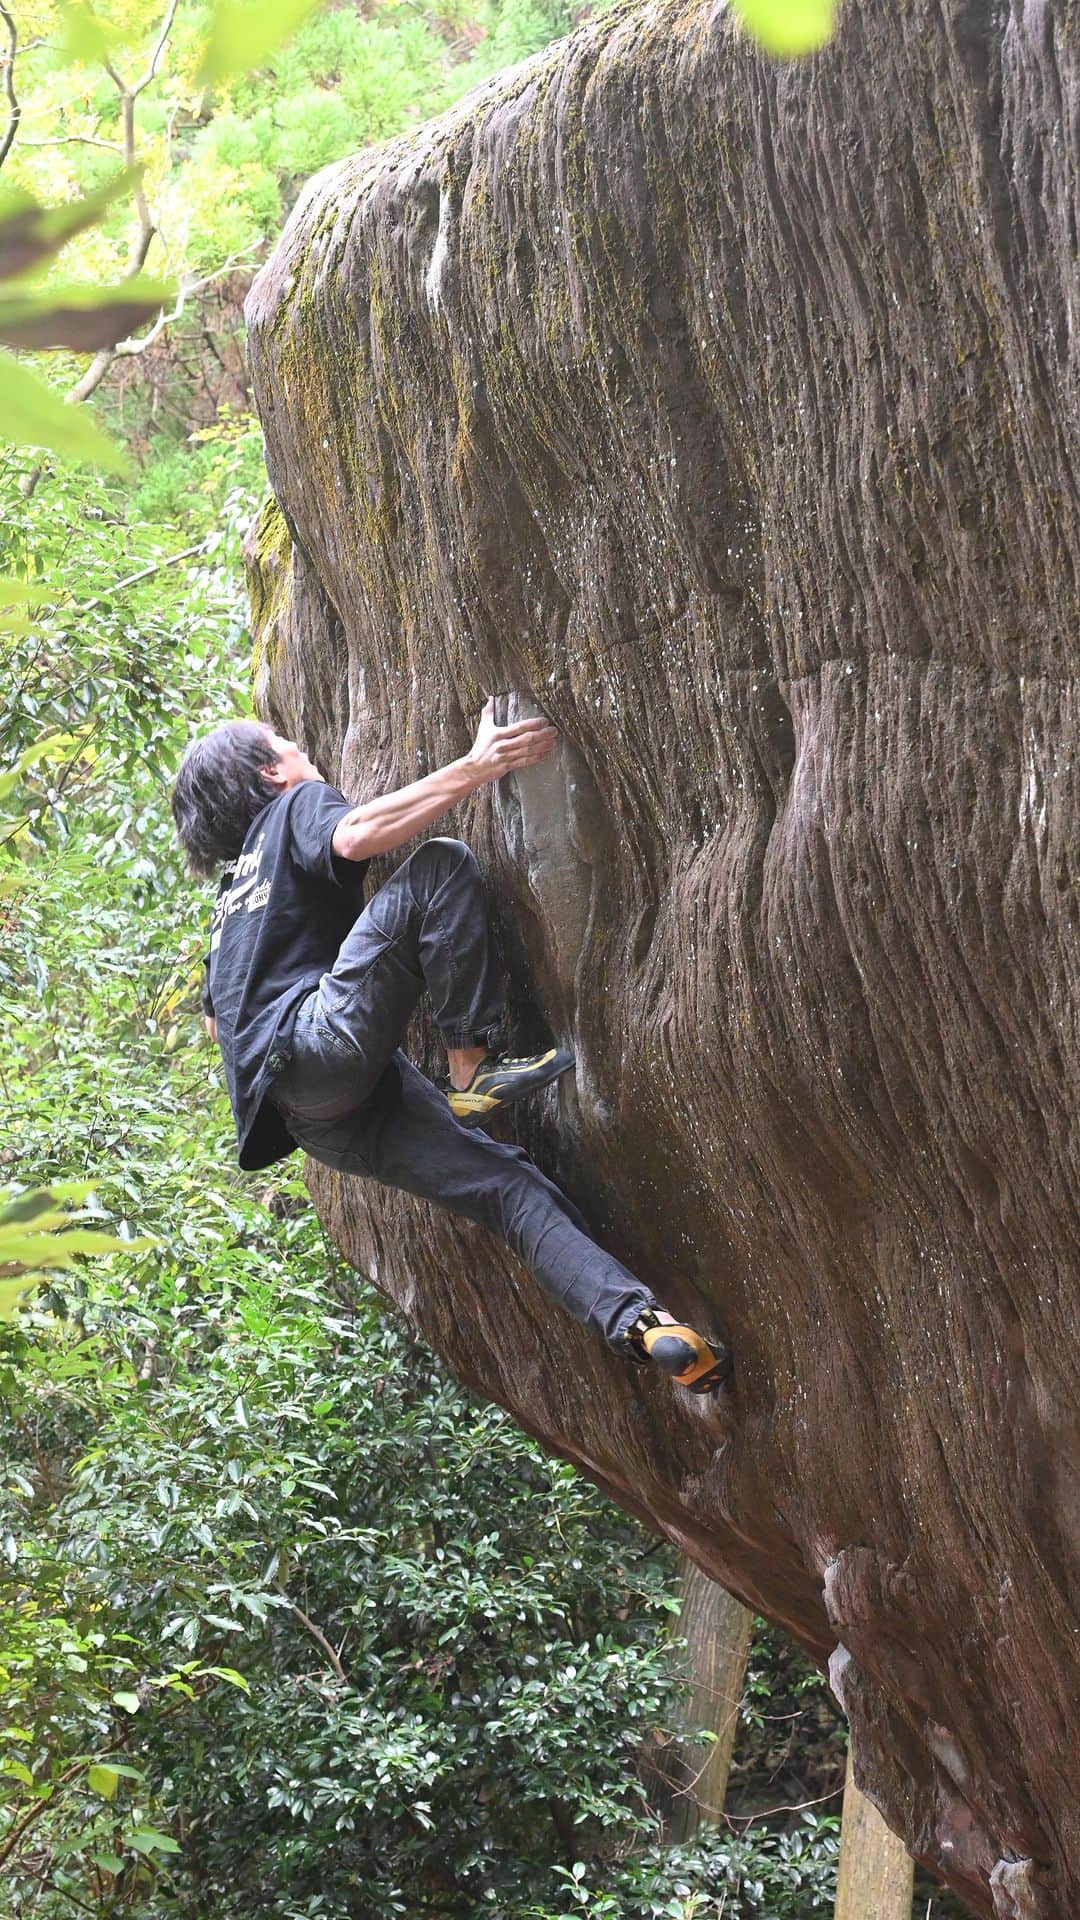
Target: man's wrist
x,y
469,773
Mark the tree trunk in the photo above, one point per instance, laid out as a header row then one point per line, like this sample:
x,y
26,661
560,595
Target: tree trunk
x,y
717,1630
726,410
876,1880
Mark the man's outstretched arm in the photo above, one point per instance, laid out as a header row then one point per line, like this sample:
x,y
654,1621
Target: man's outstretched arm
x,y
380,825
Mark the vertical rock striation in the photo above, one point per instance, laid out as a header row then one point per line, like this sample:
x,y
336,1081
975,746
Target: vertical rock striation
x,y
727,412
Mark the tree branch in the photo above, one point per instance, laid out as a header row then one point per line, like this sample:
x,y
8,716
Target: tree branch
x,y
127,348
76,139
14,109
133,92
166,29
22,1827
316,1633
156,566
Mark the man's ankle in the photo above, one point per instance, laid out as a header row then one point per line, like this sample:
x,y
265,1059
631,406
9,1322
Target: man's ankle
x,y
463,1062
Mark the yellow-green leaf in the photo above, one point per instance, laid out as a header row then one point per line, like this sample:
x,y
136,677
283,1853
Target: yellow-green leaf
x,y
102,1779
230,1674
34,415
244,32
53,746
11,1292
129,1701
34,1201
788,27
41,1251
16,593
148,1840
91,39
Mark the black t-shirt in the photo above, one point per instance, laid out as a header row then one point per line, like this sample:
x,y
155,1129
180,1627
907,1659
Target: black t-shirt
x,y
282,911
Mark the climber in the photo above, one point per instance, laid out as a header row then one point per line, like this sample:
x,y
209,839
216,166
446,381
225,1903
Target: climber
x,y
308,992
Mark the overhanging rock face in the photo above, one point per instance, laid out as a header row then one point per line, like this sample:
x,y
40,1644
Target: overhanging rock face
x,y
726,411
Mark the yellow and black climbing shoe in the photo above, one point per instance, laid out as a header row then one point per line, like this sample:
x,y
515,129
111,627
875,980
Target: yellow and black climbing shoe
x,y
680,1353
498,1081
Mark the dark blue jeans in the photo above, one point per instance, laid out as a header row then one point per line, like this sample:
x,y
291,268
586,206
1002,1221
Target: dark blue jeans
x,y
352,1100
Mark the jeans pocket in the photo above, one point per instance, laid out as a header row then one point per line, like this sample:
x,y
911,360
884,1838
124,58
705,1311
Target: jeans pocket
x,y
331,1141
322,1079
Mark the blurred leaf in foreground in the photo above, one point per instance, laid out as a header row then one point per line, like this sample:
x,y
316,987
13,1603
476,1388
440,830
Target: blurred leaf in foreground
x,y
244,32
788,27
39,1234
36,416
83,319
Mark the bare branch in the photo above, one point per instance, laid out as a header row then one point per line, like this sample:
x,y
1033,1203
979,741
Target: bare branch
x,y
127,349
316,1633
76,139
14,109
134,91
156,566
166,29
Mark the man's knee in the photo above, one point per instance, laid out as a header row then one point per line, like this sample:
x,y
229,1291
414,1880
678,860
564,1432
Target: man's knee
x,y
442,853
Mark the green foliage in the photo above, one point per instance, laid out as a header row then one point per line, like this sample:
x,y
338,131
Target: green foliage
x,y
755,1875
311,129
519,28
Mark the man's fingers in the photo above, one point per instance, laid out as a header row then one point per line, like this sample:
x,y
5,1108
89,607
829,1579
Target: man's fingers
x,y
525,759
521,729
530,743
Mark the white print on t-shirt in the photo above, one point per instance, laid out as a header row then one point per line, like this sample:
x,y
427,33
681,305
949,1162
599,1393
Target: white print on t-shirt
x,y
244,890
249,862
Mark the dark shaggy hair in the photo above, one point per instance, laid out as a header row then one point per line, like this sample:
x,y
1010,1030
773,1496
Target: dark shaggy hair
x,y
219,790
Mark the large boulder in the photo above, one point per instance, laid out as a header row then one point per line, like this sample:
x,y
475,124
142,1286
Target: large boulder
x,y
726,412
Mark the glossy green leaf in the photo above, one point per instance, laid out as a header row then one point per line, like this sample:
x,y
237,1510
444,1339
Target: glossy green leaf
x,y
18,1770
230,1674
36,416
788,27
243,33
129,1701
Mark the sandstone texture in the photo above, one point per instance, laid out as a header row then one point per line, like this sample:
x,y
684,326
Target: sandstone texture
x,y
726,411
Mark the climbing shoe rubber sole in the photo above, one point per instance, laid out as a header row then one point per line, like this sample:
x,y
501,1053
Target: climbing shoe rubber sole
x,y
682,1354
497,1083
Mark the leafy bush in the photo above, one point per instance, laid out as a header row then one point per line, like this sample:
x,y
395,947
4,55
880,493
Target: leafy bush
x,y
755,1875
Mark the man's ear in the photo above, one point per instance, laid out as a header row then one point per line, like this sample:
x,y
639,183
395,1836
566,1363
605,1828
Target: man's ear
x,y
273,775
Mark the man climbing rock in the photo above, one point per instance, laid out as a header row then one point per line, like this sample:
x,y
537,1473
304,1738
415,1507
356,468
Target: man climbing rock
x,y
308,993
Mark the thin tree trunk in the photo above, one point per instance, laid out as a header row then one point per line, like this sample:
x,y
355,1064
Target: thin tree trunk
x,y
717,1630
877,1874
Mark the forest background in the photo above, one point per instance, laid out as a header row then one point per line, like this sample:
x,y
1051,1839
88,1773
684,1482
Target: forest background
x,y
291,1627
